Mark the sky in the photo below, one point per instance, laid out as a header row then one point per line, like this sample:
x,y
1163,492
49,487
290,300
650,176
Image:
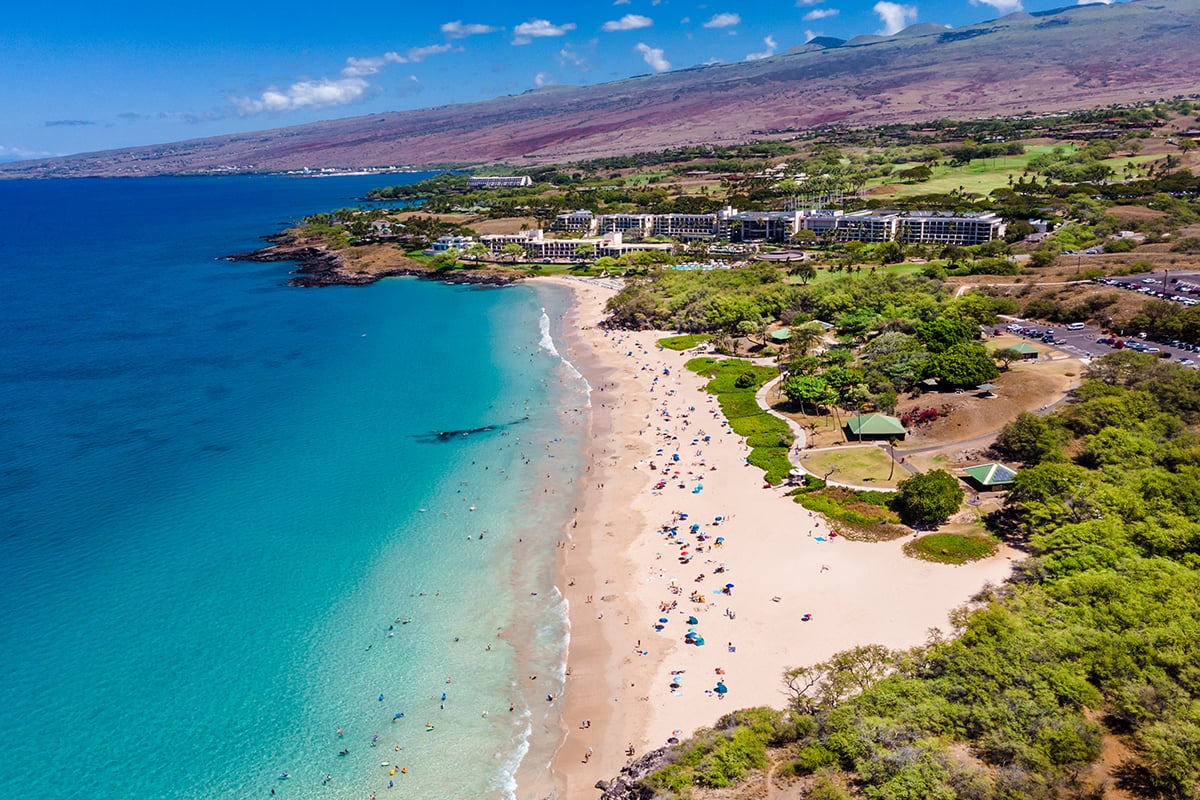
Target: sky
x,y
84,76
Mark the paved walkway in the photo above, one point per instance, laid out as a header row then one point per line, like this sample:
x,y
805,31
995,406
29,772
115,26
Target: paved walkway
x,y
802,440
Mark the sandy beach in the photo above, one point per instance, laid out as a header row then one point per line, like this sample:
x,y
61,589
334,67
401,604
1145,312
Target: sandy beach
x,y
662,450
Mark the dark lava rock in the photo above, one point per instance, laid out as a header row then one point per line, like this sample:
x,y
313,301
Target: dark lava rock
x,y
320,267
628,784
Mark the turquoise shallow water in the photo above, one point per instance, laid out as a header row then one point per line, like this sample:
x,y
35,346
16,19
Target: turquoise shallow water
x,y
213,488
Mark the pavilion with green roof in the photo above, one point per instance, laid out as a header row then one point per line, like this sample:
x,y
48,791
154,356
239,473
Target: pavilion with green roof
x,y
1026,350
782,335
874,425
991,475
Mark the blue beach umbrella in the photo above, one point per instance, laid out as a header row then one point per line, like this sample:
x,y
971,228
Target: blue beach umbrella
x,y
721,687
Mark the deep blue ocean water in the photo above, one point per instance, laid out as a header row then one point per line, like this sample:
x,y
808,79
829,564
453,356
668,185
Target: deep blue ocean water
x,y
220,505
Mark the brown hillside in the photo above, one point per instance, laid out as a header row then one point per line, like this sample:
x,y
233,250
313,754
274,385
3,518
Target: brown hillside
x,y
1072,58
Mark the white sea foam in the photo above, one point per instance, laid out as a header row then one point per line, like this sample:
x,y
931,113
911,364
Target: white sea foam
x,y
558,627
547,344
506,781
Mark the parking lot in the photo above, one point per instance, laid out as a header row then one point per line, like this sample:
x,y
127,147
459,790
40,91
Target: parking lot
x,y
1091,342
1182,288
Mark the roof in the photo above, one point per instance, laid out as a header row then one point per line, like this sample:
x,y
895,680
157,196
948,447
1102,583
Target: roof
x,y
1025,348
781,335
991,474
875,425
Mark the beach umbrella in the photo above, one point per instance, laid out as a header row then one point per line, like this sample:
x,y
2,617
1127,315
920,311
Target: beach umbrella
x,y
720,540
663,620
693,621
729,586
673,740
721,687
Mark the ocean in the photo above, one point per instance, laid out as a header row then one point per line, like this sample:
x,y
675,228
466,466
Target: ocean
x,y
233,544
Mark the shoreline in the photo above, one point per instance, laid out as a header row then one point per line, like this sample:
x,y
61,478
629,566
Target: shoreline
x,y
318,266
628,684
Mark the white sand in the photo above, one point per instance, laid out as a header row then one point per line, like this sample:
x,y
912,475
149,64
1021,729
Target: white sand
x,y
857,593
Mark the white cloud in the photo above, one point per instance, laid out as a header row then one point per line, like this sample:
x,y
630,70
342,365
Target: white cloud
x,y
806,3
569,56
544,79
810,35
526,32
1093,2
322,93
361,67
895,17
821,13
629,22
654,57
419,54
770,51
457,30
1002,6
622,2
21,154
725,20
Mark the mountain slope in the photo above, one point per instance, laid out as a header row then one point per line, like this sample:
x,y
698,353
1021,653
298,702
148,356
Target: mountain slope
x,y
1077,57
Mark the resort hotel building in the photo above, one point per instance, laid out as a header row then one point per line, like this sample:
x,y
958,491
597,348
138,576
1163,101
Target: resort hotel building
x,y
910,227
499,182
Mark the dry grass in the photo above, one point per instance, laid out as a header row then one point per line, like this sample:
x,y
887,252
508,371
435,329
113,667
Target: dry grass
x,y
861,466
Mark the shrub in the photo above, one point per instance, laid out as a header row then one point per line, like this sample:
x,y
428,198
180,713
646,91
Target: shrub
x,y
931,497
813,758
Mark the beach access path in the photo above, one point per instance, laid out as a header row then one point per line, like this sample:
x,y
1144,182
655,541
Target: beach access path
x,y
660,450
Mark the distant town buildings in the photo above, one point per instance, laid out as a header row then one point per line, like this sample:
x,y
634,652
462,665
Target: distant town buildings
x,y
499,182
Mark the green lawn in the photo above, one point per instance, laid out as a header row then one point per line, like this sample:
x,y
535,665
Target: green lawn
x,y
824,274
860,466
984,175
769,437
980,176
685,342
951,548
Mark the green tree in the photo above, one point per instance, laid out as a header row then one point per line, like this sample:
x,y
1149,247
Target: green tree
x,y
445,260
804,270
803,339
513,251
897,355
1028,438
963,365
890,253
1007,355
809,390
929,498
944,332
